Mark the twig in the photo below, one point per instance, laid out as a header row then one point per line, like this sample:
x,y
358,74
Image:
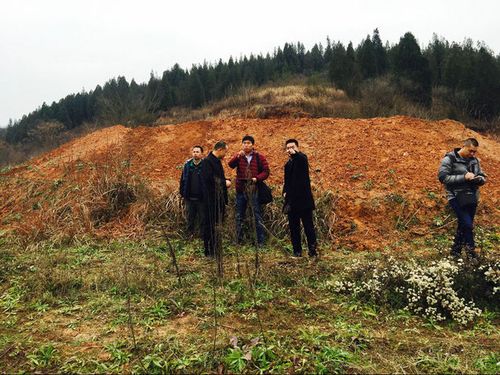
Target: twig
x,y
172,254
254,298
129,308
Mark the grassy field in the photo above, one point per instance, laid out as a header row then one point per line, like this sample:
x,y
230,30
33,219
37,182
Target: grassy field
x,y
121,307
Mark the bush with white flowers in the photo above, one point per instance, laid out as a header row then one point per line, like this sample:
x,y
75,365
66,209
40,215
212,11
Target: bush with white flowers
x,y
434,290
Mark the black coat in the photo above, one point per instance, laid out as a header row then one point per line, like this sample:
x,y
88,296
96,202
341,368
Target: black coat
x,y
297,183
214,184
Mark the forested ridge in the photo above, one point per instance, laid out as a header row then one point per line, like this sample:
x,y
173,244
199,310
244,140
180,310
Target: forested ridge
x,y
462,79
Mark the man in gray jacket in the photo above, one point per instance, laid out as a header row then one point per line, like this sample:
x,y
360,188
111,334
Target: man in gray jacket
x,y
461,173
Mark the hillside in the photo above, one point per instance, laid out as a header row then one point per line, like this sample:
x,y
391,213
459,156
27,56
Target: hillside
x,y
379,176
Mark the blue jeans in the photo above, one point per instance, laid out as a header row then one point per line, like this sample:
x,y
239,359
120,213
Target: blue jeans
x,y
242,200
464,235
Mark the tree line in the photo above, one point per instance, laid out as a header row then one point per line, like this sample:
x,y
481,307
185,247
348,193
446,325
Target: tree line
x,y
467,75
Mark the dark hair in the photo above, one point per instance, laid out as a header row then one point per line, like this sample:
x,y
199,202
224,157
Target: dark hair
x,y
248,138
292,140
471,142
201,148
220,145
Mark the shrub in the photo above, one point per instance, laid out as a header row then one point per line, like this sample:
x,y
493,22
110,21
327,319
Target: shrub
x,y
438,291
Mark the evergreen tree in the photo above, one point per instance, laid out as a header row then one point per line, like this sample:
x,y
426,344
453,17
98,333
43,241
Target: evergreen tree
x,y
411,70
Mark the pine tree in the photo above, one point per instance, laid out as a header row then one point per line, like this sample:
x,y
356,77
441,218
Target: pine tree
x,y
411,70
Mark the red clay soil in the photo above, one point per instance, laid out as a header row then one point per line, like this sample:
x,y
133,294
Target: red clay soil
x,y
362,161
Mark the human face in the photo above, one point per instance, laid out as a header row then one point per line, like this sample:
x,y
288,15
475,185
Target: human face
x,y
247,146
197,153
291,148
221,153
470,151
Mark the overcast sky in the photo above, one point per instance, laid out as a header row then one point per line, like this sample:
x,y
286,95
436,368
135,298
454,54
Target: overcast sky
x,y
52,48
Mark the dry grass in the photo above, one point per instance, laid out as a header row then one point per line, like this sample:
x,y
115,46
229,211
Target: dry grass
x,y
270,102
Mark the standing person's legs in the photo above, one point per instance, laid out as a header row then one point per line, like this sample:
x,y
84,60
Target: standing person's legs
x,y
241,207
294,225
468,230
464,235
190,215
308,223
209,231
200,214
259,225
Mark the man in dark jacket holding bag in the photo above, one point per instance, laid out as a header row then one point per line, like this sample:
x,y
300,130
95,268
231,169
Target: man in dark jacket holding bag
x,y
252,169
299,201
461,173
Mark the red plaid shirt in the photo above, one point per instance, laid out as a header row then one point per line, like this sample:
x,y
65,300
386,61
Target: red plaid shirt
x,y
246,171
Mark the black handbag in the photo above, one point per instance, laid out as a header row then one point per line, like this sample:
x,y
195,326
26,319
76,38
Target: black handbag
x,y
466,197
264,192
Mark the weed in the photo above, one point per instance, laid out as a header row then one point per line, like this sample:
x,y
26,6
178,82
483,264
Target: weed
x,y
43,356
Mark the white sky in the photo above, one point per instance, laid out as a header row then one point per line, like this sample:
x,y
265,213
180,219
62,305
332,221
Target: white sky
x,y
52,48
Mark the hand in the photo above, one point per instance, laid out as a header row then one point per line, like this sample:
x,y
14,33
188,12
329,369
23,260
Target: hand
x,y
241,153
228,183
254,180
291,151
469,176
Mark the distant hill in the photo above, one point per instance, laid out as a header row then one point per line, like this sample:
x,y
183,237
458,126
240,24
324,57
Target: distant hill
x,y
374,179
459,81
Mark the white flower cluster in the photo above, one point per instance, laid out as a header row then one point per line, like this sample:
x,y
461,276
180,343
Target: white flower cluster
x,y
492,274
430,293
425,289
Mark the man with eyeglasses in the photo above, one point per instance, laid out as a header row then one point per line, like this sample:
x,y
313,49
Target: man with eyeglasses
x,y
461,173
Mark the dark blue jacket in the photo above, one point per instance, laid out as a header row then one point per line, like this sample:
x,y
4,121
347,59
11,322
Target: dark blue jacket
x,y
185,182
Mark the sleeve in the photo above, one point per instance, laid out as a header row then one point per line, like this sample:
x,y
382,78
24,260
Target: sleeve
x,y
233,163
264,174
182,183
481,176
445,175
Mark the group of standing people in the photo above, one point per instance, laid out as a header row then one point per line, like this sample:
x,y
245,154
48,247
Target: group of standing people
x,y
204,188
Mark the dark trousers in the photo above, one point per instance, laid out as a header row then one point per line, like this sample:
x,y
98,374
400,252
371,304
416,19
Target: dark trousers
x,y
212,221
242,201
294,219
464,235
194,215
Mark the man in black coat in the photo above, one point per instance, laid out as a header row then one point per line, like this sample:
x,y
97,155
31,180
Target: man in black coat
x,y
215,198
299,201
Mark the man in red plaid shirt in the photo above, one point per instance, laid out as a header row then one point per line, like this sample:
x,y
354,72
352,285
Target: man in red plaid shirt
x,y
251,168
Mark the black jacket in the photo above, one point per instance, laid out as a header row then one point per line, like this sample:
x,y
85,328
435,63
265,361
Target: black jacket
x,y
213,182
297,183
189,172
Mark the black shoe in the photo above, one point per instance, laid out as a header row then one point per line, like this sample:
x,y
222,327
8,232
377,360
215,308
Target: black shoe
x,y
312,251
471,254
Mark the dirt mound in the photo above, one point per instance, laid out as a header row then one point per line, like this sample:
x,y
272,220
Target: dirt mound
x,y
382,171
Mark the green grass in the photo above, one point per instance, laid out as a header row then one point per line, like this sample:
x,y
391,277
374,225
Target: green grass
x,y
72,309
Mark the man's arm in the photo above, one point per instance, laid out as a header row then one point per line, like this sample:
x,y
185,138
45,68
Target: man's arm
x,y
481,177
445,175
235,160
264,174
183,181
